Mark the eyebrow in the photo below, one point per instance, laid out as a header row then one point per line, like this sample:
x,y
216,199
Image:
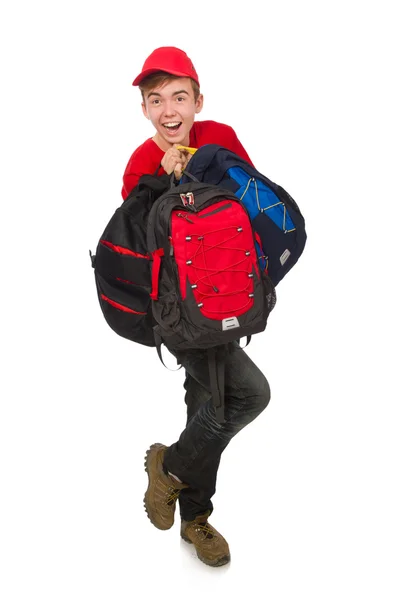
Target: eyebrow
x,y
174,94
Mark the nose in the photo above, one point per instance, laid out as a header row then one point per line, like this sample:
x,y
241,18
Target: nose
x,y
169,108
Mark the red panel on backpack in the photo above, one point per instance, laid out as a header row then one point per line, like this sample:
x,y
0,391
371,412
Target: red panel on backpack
x,y
215,254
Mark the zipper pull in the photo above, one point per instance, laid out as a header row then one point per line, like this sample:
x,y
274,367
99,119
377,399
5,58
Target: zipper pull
x,y
184,216
171,246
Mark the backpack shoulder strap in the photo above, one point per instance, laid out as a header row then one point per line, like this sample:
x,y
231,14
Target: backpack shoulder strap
x,y
248,341
158,342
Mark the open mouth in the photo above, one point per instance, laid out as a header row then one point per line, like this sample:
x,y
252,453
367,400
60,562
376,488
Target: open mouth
x,y
172,127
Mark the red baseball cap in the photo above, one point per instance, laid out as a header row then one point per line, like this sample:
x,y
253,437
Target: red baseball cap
x,y
170,60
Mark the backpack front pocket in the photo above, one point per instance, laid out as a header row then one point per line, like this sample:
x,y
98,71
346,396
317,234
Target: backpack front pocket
x,y
127,312
122,263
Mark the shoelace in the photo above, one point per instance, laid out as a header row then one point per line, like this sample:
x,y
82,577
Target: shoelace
x,y
206,529
172,496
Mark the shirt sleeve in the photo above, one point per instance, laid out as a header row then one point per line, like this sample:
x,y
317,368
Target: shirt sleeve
x,y
130,180
132,173
140,163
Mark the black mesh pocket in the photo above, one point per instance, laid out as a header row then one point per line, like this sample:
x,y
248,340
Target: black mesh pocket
x,y
166,312
269,292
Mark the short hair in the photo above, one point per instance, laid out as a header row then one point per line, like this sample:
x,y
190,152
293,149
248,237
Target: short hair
x,y
159,78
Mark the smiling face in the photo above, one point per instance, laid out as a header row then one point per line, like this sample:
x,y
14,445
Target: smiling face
x,y
171,107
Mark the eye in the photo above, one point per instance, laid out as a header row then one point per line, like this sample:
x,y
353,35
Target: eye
x,y
180,98
155,101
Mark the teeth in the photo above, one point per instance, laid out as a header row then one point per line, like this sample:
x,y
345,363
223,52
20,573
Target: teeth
x,y
171,124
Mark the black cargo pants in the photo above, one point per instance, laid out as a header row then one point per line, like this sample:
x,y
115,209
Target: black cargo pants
x,y
195,457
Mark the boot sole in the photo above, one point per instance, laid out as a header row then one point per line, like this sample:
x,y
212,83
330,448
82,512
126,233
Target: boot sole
x,y
148,464
218,562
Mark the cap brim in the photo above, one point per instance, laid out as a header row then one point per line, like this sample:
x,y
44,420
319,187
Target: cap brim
x,y
144,74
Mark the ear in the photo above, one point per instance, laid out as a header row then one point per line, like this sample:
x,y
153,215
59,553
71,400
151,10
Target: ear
x,y
144,110
199,103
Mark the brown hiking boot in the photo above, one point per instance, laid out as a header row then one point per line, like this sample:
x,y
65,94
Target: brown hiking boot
x,y
210,546
163,490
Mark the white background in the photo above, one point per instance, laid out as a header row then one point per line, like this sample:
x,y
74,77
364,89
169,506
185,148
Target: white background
x,y
306,494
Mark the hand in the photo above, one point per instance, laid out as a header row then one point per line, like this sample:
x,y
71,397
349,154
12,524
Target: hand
x,y
179,168
175,160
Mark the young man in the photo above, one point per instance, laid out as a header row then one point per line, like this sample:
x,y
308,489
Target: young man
x,y
170,100
187,469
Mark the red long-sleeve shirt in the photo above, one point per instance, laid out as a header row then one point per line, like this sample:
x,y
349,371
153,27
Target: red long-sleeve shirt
x,y
147,158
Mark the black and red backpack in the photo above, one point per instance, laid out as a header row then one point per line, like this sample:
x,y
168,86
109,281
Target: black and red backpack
x,y
122,264
207,285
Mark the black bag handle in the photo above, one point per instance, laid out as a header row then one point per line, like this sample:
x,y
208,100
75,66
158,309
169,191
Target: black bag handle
x,y
192,177
173,180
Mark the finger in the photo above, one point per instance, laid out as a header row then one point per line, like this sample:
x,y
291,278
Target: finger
x,y
169,165
184,152
172,154
178,170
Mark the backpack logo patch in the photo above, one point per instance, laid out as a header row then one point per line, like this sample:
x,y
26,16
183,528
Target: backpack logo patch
x,y
230,323
285,256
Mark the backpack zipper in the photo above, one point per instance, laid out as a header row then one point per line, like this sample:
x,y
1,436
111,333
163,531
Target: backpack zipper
x,y
184,216
208,214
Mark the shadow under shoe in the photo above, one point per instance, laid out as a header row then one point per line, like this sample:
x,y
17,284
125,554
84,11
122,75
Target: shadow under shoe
x,y
211,546
163,490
